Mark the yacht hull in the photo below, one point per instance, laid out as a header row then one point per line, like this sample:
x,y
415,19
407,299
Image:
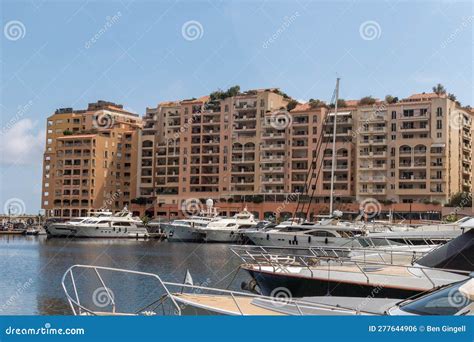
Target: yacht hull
x,y
94,232
177,233
221,235
272,283
60,230
293,240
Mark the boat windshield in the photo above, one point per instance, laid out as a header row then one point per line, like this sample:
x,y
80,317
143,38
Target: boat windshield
x,y
445,302
295,229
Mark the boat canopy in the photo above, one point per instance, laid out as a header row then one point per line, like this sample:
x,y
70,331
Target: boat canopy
x,y
457,254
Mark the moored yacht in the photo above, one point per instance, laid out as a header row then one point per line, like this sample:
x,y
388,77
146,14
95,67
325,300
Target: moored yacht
x,y
186,230
228,229
119,225
68,228
307,235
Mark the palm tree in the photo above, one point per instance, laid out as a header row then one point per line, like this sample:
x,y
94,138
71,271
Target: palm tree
x,y
439,89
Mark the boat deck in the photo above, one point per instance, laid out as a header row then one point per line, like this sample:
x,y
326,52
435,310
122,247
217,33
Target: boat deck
x,y
224,304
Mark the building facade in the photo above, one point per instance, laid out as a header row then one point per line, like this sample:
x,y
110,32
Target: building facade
x,y
90,162
248,148
416,150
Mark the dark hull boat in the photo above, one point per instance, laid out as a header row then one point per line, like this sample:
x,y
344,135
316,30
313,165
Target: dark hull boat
x,y
277,285
350,278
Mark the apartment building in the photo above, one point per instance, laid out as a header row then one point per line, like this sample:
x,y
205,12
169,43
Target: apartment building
x,y
90,162
416,150
211,148
246,147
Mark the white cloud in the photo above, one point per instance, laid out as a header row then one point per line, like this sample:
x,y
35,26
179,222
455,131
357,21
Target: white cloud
x,y
22,144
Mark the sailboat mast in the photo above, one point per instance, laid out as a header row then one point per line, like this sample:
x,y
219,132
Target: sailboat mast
x,y
333,166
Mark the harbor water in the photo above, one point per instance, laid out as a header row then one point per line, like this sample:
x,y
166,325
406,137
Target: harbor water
x,y
31,268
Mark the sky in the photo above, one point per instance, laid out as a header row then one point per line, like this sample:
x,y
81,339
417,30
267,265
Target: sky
x,y
138,53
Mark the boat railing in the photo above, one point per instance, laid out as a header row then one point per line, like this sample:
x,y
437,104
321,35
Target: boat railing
x,y
299,304
283,264
269,253
79,308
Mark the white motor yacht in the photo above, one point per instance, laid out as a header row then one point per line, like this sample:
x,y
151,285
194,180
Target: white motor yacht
x,y
228,229
68,228
187,230
119,225
324,233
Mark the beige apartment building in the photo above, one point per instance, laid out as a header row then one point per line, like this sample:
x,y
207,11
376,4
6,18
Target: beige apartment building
x,y
203,148
417,150
247,148
90,162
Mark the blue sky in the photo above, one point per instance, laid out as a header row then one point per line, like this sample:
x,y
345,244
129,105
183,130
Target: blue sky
x,y
68,53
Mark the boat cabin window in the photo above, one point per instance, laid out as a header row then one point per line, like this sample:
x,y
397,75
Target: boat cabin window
x,y
322,233
183,223
439,303
122,224
103,222
230,225
294,229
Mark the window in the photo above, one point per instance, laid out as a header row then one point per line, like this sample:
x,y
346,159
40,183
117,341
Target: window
x,y
394,115
439,302
439,124
394,127
439,112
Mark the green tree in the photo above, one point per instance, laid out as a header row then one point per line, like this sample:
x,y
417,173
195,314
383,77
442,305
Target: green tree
x,y
291,105
461,200
439,89
391,99
367,100
341,103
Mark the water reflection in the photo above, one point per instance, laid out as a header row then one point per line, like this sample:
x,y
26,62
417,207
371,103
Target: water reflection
x,y
45,261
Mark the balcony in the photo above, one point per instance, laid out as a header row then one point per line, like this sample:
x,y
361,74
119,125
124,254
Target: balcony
x,y
272,158
273,135
272,180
